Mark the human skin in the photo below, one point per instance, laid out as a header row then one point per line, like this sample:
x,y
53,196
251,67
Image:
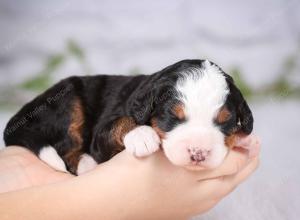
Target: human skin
x,y
122,188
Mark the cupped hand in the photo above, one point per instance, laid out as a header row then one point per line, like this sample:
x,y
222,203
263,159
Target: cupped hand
x,y
20,168
168,192
150,187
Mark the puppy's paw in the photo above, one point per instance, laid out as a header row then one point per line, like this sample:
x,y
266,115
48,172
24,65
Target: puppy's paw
x,y
142,141
86,163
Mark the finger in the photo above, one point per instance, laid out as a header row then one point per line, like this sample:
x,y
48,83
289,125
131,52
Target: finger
x,y
231,182
220,187
235,161
241,176
251,143
254,147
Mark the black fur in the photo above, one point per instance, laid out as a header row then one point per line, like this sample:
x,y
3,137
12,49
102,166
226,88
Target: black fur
x,y
241,119
104,99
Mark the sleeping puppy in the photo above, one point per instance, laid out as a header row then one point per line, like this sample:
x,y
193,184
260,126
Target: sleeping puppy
x,y
191,109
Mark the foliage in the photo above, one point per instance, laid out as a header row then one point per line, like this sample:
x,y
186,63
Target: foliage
x,y
43,79
281,87
241,82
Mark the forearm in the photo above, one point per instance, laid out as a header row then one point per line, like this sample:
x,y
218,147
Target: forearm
x,y
90,197
117,189
20,168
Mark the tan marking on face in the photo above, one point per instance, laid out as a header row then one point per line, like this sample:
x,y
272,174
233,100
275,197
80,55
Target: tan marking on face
x,y
178,111
230,140
223,115
75,132
121,127
160,132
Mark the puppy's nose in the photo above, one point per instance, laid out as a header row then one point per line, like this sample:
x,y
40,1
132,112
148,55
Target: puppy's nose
x,y
198,155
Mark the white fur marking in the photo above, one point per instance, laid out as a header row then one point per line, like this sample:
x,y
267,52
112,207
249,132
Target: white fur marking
x,y
85,164
142,141
50,156
202,91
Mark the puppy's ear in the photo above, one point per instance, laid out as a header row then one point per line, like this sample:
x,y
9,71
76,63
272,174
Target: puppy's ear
x,y
141,105
142,101
244,114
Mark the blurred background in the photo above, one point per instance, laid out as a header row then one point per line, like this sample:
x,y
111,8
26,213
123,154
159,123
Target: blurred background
x,y
257,42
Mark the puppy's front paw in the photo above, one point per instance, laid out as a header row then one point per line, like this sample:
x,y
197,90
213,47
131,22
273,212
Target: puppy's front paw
x,y
142,141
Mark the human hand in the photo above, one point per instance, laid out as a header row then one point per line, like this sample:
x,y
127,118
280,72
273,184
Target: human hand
x,y
156,189
20,168
149,188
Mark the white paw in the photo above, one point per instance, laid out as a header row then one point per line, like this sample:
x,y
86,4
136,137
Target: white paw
x,y
86,163
142,141
49,155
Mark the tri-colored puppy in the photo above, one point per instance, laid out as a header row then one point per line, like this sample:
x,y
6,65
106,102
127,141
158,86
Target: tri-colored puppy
x,y
191,109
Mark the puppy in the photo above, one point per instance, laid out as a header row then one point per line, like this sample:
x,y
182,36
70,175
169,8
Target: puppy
x,y
192,109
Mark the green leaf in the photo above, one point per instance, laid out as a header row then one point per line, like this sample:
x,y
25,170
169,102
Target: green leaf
x,y
75,50
241,82
38,83
53,63
43,79
135,71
